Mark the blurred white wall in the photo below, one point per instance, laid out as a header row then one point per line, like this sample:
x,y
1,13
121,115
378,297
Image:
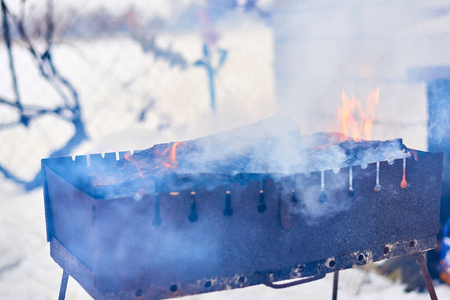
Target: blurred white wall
x,y
324,46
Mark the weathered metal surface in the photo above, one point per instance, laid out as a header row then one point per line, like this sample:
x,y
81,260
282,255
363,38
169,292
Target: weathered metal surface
x,y
149,290
166,244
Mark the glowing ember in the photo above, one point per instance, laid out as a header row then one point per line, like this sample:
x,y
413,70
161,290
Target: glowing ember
x,y
355,121
166,159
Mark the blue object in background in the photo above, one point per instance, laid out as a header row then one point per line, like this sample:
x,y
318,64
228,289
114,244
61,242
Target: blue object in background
x,y
444,264
438,92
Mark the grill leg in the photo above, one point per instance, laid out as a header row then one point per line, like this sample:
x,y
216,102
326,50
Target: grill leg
x,y
424,270
335,284
62,289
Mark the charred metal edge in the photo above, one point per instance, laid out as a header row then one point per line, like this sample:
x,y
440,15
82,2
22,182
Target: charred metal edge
x,y
155,290
93,159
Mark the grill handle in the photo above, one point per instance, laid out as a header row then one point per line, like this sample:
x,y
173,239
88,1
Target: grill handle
x,y
267,282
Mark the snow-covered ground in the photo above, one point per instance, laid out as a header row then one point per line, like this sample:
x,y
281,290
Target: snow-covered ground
x,y
116,80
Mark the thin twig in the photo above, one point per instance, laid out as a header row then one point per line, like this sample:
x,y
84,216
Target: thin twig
x,y
8,174
7,102
33,111
50,25
9,125
7,37
44,60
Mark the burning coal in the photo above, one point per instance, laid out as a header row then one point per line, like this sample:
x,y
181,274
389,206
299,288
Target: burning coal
x,y
272,146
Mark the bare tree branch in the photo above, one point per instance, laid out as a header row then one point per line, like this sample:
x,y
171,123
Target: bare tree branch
x,y
11,176
8,102
7,37
70,111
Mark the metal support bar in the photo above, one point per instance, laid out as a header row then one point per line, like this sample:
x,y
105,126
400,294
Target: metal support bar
x,y
335,284
267,282
63,288
423,268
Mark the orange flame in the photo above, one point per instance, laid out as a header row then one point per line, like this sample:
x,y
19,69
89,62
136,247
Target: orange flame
x,y
127,157
172,163
356,122
168,158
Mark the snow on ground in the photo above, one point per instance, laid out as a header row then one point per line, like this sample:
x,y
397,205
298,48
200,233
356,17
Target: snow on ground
x,y
116,80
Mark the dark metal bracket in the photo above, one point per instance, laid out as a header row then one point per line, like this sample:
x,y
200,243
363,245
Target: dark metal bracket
x,y
420,260
267,282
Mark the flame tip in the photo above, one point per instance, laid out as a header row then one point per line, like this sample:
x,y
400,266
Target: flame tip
x,y
351,112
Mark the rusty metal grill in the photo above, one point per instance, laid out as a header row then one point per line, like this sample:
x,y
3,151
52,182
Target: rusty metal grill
x,y
256,228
